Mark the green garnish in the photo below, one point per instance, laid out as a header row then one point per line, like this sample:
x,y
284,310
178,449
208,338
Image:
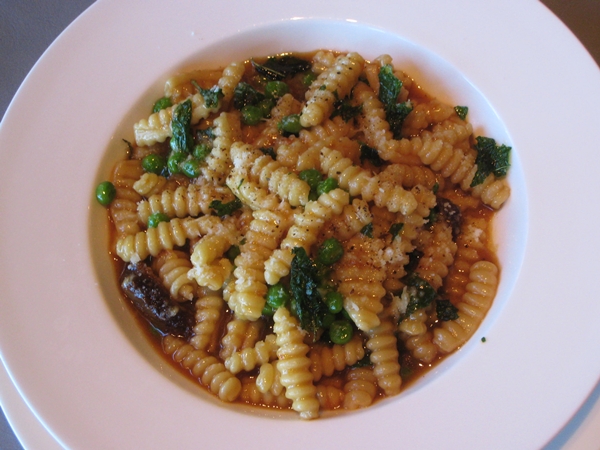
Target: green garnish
x,y
396,229
446,310
306,299
280,67
367,230
161,103
244,94
344,109
225,209
211,96
389,89
421,293
182,139
370,154
461,111
491,158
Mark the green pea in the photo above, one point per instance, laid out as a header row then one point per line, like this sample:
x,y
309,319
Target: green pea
x,y
268,310
308,79
328,320
290,124
251,115
190,167
154,163
312,177
330,251
276,89
341,332
174,161
277,295
334,302
161,103
105,193
326,185
201,151
266,106
157,218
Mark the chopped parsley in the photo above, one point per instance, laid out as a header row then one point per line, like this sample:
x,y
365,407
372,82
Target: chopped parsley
x,y
461,111
446,310
421,293
491,158
211,96
389,89
225,209
306,299
367,230
280,67
370,154
182,139
396,229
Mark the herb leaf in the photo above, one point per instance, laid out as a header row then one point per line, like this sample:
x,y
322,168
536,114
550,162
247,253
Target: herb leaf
x,y
491,158
344,109
306,299
370,154
395,229
225,209
280,67
367,230
446,310
420,291
244,94
211,96
461,111
389,89
182,139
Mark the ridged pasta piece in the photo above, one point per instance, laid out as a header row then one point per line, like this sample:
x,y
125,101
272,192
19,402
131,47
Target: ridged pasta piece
x,y
233,338
425,114
249,358
269,379
354,217
330,397
209,309
294,365
384,356
359,181
360,388
438,254
325,360
227,130
209,267
179,86
376,129
123,209
252,395
167,235
157,127
476,302
414,332
303,233
247,299
409,176
149,184
232,75
172,267
334,83
191,200
208,369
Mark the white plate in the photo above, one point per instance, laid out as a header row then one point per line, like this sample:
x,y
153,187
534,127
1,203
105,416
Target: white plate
x,y
66,340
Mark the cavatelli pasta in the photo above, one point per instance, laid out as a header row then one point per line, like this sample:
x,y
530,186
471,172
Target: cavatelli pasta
x,y
206,368
325,360
390,235
471,310
123,208
332,84
293,364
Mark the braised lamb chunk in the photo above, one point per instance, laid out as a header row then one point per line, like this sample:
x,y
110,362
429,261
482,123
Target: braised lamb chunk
x,y
152,300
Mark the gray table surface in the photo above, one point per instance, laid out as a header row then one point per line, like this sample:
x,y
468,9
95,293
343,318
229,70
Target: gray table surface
x,y
28,27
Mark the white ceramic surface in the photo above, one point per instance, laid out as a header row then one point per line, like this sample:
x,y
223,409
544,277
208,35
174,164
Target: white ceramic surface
x,y
66,340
